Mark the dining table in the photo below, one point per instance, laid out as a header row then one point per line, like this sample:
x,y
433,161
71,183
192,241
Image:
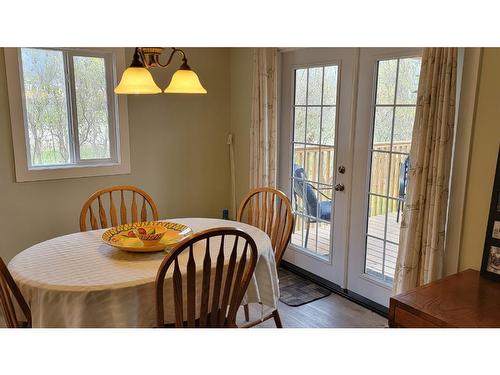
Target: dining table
x,y
77,280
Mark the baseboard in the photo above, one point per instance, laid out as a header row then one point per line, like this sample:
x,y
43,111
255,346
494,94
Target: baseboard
x,y
351,296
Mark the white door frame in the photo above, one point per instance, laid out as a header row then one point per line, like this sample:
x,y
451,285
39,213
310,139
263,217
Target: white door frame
x,y
346,58
468,73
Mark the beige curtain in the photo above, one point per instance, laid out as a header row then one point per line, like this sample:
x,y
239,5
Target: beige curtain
x,y
421,245
263,129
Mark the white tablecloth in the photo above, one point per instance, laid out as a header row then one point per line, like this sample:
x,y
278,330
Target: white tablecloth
x,y
78,281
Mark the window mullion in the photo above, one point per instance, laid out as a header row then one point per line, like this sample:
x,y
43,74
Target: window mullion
x,y
72,107
69,109
112,113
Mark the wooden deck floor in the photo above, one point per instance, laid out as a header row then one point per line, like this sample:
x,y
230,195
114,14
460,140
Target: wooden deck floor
x,y
374,250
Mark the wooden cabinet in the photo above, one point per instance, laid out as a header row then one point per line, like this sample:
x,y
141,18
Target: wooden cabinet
x,y
464,299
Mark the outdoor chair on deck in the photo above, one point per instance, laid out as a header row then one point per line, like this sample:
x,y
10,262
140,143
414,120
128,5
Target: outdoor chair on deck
x,y
403,184
308,195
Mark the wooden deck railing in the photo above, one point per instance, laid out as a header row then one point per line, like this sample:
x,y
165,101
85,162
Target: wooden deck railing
x,y
379,180
318,164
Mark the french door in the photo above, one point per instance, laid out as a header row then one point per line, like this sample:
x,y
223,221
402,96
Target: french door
x,y
387,97
345,136
315,167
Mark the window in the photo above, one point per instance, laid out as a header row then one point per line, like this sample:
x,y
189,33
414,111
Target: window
x,y
394,114
66,119
315,108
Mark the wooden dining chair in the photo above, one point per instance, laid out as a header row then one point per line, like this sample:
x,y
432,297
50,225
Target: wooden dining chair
x,y
104,197
8,288
271,211
222,287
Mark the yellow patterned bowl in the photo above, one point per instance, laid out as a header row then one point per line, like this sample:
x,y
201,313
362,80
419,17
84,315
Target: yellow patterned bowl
x,y
149,234
146,236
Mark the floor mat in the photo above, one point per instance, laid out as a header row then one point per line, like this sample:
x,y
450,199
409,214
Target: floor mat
x,y
296,290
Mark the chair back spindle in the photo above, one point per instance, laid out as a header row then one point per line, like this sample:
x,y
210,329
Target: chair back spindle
x,y
99,219
271,211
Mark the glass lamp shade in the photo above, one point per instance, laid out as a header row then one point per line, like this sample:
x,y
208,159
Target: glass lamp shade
x,y
185,81
137,81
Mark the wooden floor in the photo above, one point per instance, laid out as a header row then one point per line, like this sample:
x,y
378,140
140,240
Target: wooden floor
x,y
375,261
333,311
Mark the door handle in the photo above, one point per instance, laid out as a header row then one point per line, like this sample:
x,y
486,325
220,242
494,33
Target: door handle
x,y
339,187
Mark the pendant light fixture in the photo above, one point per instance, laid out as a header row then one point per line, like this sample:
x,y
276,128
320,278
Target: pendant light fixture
x,y
137,79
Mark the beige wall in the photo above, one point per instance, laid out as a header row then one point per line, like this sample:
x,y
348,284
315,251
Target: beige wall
x,y
483,157
240,114
178,154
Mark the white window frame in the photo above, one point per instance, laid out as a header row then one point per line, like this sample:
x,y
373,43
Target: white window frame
x,y
119,161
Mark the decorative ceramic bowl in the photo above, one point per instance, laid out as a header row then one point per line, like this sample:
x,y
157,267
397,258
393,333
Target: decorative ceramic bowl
x,y
150,235
146,236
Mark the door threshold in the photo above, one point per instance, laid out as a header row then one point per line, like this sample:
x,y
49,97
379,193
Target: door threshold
x,y
351,296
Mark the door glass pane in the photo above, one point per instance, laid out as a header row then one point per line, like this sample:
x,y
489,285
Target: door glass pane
x,y
300,86
376,216
403,125
299,132
45,102
298,155
330,85
399,174
386,81
327,159
374,256
314,162
383,126
298,234
92,107
408,76
391,255
315,86
393,220
328,126
379,179
324,239
313,125
397,82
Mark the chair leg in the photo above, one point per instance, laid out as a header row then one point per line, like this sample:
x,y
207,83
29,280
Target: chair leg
x,y
399,208
277,319
247,312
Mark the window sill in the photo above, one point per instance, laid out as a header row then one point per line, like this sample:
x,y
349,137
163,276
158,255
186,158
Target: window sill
x,y
51,167
71,171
